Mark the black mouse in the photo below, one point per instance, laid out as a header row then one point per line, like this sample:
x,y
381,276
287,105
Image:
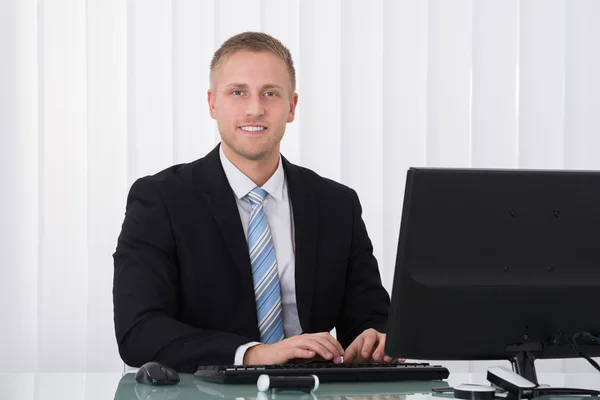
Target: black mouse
x,y
154,373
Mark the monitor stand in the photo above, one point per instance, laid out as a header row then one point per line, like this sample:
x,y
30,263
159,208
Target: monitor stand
x,y
522,358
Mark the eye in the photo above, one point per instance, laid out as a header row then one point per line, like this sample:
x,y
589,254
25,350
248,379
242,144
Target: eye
x,y
237,92
270,94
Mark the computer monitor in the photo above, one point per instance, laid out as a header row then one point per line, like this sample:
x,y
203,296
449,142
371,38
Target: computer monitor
x,y
496,264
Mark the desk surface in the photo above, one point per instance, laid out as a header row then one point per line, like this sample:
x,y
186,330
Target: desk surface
x,y
124,387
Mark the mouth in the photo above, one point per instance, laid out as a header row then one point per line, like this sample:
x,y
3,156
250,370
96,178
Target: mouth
x,y
253,129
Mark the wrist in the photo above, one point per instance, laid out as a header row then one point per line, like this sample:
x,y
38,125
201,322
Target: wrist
x,y
253,355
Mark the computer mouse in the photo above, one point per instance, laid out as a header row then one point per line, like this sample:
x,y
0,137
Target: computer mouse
x,y
154,373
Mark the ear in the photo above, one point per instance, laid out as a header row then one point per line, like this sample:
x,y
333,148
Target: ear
x,y
293,104
211,103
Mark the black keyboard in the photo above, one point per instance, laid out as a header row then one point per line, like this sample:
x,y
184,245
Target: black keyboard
x,y
327,372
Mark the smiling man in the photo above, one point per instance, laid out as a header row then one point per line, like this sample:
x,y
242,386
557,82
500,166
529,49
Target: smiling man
x,y
242,257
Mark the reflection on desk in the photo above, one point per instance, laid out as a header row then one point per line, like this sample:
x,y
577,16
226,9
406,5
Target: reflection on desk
x,y
48,386
191,387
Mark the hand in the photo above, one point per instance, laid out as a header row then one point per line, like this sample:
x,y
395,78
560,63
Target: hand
x,y
367,347
307,346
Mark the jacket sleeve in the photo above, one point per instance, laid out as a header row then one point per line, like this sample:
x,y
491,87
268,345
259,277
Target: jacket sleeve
x,y
366,302
146,292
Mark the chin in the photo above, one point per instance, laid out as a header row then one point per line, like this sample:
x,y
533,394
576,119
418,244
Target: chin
x,y
256,151
255,156
253,151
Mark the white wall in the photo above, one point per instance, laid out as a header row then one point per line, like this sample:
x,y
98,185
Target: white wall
x,y
96,93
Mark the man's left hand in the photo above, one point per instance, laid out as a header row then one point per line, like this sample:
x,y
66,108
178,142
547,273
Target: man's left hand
x,y
367,348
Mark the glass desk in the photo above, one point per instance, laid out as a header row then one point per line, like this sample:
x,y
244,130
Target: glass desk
x,y
124,387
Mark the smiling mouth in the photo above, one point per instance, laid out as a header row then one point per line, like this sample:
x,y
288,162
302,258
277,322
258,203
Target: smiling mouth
x,y
253,128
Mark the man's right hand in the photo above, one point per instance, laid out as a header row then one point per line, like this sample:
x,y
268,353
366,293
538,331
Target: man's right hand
x,y
307,346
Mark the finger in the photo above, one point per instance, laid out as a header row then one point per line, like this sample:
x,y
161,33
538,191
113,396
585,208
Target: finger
x,y
301,353
370,338
334,342
326,342
332,351
352,352
287,350
378,354
309,342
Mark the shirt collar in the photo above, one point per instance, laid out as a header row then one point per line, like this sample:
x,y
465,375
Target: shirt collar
x,y
242,185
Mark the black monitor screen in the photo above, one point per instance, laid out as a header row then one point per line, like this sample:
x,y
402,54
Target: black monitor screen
x,y
492,258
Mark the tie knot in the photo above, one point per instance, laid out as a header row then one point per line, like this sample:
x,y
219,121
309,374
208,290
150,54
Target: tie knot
x,y
257,196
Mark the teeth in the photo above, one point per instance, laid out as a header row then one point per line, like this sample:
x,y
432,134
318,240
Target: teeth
x,y
252,128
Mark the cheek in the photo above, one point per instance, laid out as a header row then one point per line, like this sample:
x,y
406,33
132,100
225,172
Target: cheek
x,y
282,113
226,112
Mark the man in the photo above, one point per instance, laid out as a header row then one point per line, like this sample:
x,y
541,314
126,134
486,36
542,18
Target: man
x,y
241,256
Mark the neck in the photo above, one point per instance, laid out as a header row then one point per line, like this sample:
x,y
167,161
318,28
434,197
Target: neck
x,y
259,171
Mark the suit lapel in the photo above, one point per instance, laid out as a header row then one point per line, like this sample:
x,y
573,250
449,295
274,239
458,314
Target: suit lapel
x,y
304,208
221,200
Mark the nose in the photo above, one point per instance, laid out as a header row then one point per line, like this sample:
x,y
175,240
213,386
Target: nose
x,y
254,107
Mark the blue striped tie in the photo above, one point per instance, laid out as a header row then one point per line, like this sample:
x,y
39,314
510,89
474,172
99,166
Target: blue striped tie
x,y
264,271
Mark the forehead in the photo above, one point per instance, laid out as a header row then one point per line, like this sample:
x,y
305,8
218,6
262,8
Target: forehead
x,y
253,68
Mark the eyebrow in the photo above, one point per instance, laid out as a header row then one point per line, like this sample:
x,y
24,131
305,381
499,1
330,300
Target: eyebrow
x,y
245,86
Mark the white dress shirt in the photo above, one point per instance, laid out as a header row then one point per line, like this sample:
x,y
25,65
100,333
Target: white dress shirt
x,y
279,217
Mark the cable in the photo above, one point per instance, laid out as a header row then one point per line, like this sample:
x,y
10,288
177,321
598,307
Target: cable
x,y
588,336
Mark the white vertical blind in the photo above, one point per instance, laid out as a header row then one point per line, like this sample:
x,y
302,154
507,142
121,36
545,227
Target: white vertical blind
x,y
150,91
107,167
361,108
582,85
320,95
97,93
494,82
449,84
19,175
542,84
63,268
193,46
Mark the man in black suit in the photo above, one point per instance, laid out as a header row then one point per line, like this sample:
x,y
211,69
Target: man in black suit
x,y
241,256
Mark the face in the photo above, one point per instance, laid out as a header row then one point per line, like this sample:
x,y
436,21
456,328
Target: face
x,y
252,101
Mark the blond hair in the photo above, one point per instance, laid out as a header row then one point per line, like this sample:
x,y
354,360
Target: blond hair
x,y
256,42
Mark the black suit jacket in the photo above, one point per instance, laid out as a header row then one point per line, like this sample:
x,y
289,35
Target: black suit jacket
x,y
183,292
